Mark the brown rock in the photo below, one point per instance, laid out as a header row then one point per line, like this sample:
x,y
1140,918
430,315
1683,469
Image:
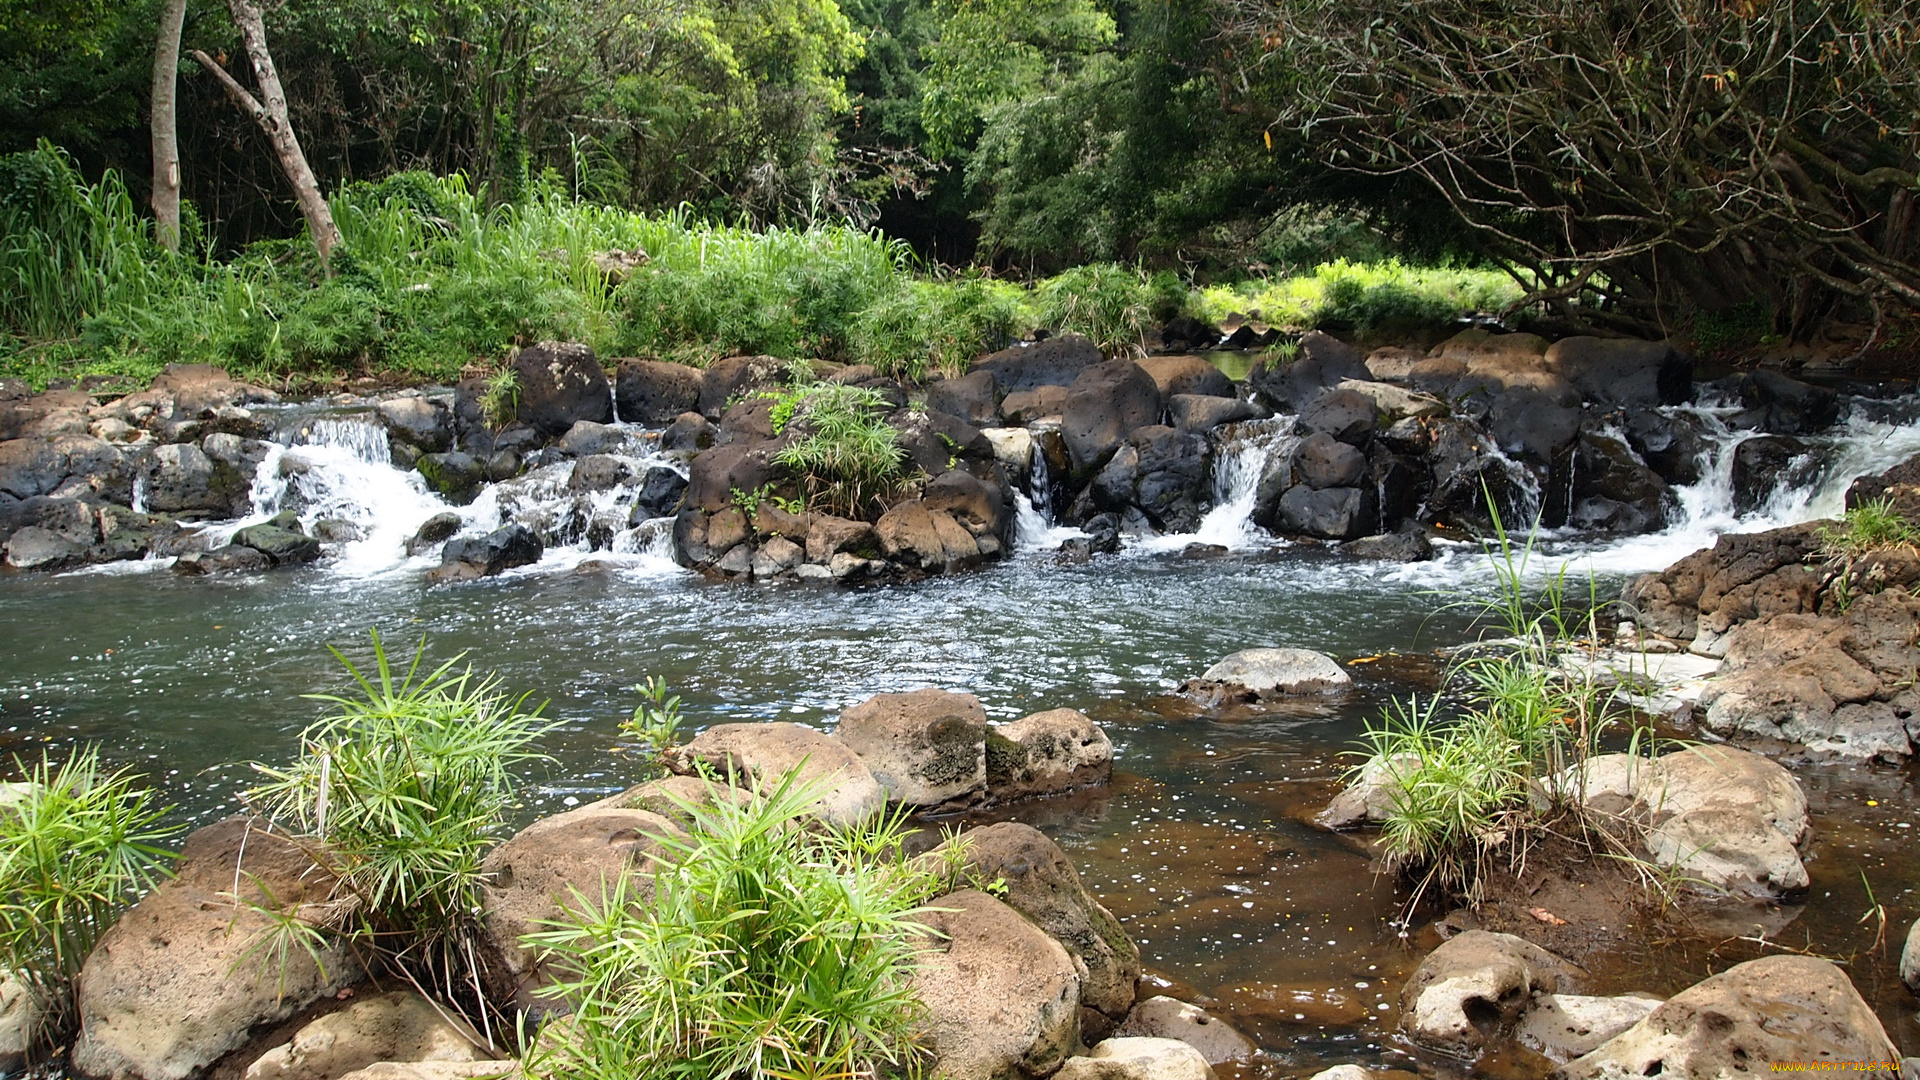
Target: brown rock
x,y
761,755
1045,754
927,747
1002,998
1470,989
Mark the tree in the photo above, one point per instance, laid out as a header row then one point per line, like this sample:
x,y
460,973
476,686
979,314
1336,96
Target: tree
x,y
166,138
1651,160
270,112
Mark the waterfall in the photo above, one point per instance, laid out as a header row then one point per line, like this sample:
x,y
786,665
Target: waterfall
x,y
1242,455
138,500
1862,443
1033,526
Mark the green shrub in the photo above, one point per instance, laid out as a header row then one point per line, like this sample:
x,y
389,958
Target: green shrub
x,y
770,950
1364,296
1111,304
407,785
848,454
78,844
937,327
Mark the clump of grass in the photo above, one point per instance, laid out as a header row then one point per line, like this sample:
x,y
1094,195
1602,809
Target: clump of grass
x,y
500,398
770,950
847,454
938,327
1111,305
79,843
1468,787
1868,529
404,788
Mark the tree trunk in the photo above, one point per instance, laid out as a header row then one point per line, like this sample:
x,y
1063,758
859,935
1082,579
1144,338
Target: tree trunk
x,y
166,141
270,112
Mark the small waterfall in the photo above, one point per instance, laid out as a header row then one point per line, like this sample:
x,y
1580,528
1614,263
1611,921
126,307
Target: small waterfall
x,y
1033,526
1242,455
138,501
1521,507
341,469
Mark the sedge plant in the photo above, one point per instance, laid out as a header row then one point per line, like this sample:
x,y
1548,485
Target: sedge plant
x,y
771,948
846,453
402,789
79,843
1482,771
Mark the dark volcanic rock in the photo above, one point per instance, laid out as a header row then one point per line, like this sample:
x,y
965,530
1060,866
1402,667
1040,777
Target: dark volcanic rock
x,y
654,392
1322,363
561,384
972,397
482,556
1057,361
1105,404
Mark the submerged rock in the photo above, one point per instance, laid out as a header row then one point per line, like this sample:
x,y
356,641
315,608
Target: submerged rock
x,y
1170,1018
1780,1008
1138,1059
1254,674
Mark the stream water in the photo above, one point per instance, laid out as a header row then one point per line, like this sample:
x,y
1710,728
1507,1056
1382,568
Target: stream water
x,y
1198,845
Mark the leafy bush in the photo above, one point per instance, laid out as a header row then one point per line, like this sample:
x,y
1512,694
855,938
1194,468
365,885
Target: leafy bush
x,y
937,327
1363,296
407,786
78,844
849,453
769,950
1111,304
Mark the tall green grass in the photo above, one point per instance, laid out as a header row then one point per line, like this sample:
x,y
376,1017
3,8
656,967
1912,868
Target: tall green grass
x,y
429,280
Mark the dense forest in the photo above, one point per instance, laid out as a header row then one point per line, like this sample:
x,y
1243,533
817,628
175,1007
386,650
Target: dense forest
x,y
1742,174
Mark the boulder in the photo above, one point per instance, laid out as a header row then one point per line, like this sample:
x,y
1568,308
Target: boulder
x,y
1467,992
1623,372
1778,1008
418,422
689,431
181,980
1335,513
1161,473
1269,673
1321,461
1370,794
1744,576
731,380
660,493
1045,754
1322,363
1042,884
1728,850
714,475
455,474
1561,1027
484,556
198,388
1170,1018
928,540
1106,404
938,442
828,536
1394,403
35,548
1344,1072
653,392
534,877
601,472
399,1026
1766,464
1410,546
1186,375
1002,997
1781,405
926,748
1201,413
1477,344
19,1021
281,539
1724,778
974,503
1026,406
758,756
560,384
1345,415
1057,361
183,478
1534,424
1138,1058
233,558
972,397
587,439
437,529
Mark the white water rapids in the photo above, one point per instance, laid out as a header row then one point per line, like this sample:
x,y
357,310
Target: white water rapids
x,y
336,473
